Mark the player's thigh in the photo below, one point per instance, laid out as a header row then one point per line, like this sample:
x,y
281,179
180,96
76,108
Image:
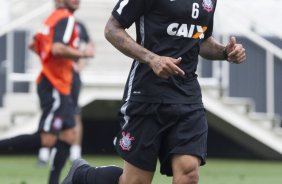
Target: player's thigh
x,y
78,124
68,135
185,167
135,175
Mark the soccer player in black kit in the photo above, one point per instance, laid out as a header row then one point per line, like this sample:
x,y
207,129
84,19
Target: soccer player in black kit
x,y
162,114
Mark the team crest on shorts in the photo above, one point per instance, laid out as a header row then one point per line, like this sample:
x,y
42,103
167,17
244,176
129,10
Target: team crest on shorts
x,y
208,5
58,123
126,141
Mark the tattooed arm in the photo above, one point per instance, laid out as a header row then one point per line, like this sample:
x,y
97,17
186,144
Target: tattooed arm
x,y
162,66
232,52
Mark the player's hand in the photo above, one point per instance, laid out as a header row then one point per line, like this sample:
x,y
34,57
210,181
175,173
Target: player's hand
x,y
236,52
88,51
166,67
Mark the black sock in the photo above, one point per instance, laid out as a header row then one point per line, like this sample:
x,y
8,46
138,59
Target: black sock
x,y
27,142
98,175
62,150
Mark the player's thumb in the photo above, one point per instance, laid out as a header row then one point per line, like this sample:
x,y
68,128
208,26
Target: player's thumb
x,y
178,60
232,42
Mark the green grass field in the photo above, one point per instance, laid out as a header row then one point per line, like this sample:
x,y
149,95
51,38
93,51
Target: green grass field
x,y
23,170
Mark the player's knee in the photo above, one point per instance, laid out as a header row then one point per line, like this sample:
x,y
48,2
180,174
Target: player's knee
x,y
48,140
188,176
192,177
68,136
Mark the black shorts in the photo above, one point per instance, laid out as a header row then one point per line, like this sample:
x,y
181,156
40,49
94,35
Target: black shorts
x,y
75,90
57,109
152,131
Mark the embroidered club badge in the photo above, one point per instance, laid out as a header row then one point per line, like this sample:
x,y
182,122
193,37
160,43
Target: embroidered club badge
x,y
58,123
126,141
208,5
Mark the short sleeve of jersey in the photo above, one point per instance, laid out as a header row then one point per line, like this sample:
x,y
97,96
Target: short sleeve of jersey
x,y
128,11
210,26
63,30
209,30
83,34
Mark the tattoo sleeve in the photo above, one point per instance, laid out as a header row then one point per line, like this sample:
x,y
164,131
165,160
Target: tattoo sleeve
x,y
211,49
120,39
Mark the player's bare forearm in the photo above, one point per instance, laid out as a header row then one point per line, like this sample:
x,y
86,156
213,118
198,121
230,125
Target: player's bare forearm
x,y
119,38
90,48
162,66
233,52
61,50
211,49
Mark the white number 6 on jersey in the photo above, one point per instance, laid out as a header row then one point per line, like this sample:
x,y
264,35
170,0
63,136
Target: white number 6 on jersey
x,y
195,10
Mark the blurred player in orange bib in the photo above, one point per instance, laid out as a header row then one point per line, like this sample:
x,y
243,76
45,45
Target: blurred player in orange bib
x,y
56,44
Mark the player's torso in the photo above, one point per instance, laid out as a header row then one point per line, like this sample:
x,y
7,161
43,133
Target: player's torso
x,y
58,70
172,28
176,24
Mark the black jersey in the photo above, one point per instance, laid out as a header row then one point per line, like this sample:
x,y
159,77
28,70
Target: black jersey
x,y
173,28
83,34
63,30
